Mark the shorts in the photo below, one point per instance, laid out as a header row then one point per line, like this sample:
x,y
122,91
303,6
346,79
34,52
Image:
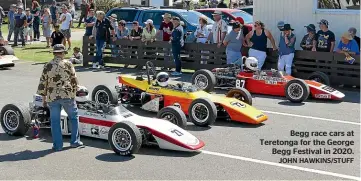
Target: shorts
x,y
28,31
66,33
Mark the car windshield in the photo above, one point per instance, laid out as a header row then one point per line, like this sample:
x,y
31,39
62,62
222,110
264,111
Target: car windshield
x,y
193,17
247,18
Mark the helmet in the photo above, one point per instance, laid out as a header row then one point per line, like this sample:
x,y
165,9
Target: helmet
x,y
81,94
162,79
251,63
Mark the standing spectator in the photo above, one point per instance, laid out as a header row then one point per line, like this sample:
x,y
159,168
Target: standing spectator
x,y
257,41
166,27
149,31
66,22
53,11
47,26
286,49
89,23
244,29
219,29
201,35
348,45
136,32
92,5
58,85
177,42
20,23
325,39
28,31
84,7
77,57
57,37
307,40
353,31
11,19
222,4
114,23
35,10
102,35
233,42
2,15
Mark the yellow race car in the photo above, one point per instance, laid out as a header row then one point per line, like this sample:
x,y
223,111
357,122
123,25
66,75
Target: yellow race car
x,y
201,107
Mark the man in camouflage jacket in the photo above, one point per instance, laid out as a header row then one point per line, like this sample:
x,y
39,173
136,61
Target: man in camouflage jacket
x,y
58,86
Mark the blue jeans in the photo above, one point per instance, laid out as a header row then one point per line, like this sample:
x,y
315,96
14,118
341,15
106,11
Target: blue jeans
x,y
233,56
36,30
99,44
72,110
176,48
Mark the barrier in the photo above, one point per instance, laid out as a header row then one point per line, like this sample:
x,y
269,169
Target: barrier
x,y
193,56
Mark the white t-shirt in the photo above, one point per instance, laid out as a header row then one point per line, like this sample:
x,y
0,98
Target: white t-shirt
x,y
203,31
66,24
219,28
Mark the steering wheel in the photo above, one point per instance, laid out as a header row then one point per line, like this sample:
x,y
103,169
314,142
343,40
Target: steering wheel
x,y
150,71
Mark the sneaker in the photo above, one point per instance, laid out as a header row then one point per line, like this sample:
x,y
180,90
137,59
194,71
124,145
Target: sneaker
x,y
95,65
176,73
76,145
101,67
56,149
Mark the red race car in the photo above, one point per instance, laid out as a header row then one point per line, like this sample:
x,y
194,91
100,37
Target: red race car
x,y
269,82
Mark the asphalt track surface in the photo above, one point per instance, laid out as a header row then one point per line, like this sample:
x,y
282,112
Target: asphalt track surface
x,y
232,151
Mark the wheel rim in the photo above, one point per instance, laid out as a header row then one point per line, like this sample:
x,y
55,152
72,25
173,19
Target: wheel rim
x,y
201,81
11,120
102,96
121,139
200,112
295,91
169,117
239,96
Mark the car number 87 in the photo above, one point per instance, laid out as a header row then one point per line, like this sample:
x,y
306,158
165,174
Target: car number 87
x,y
240,83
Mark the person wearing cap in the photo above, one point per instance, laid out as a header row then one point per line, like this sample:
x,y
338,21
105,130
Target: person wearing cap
x,y
77,56
219,29
307,40
233,42
286,50
58,85
11,20
57,36
35,11
102,34
89,23
20,23
177,43
257,41
353,32
28,31
66,22
325,39
53,11
113,21
166,27
348,45
244,29
2,15
84,7
149,31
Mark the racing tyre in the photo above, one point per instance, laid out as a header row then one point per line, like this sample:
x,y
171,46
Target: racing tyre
x,y
204,80
105,95
202,112
320,77
6,50
297,90
15,119
174,115
125,138
241,94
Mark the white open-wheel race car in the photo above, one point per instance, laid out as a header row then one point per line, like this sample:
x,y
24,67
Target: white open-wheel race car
x,y
125,131
7,57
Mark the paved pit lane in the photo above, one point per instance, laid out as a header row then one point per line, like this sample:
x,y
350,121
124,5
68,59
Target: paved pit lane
x,y
232,151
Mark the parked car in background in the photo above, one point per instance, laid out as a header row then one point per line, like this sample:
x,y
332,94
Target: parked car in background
x,y
230,14
248,9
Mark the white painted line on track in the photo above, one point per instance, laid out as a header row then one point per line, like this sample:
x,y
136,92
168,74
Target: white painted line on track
x,y
311,117
281,165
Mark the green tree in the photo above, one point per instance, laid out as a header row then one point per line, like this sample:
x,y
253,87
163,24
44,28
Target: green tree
x,y
106,5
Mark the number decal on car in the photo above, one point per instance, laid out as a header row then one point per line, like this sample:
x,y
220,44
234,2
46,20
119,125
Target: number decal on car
x,y
240,83
178,133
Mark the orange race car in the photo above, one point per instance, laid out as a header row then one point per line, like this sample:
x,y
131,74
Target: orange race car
x,y
155,94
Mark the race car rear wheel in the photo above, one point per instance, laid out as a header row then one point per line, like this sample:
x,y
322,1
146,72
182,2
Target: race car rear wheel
x,y
204,80
15,119
241,94
174,115
202,112
297,90
125,138
320,77
105,95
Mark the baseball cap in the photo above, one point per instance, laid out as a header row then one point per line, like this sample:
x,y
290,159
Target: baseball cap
x,y
217,13
148,21
352,30
176,18
311,27
59,48
324,22
113,16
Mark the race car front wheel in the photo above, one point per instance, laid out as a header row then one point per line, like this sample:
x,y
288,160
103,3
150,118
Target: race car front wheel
x,y
297,90
174,115
204,80
105,95
125,138
202,112
320,77
15,119
241,94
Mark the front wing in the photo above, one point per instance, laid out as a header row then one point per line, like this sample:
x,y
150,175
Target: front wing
x,y
321,91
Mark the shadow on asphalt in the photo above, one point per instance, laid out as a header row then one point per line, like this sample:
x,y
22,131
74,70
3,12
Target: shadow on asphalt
x,y
25,155
5,68
6,137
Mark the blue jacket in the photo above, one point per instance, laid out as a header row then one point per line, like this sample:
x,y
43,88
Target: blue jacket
x,y
177,36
